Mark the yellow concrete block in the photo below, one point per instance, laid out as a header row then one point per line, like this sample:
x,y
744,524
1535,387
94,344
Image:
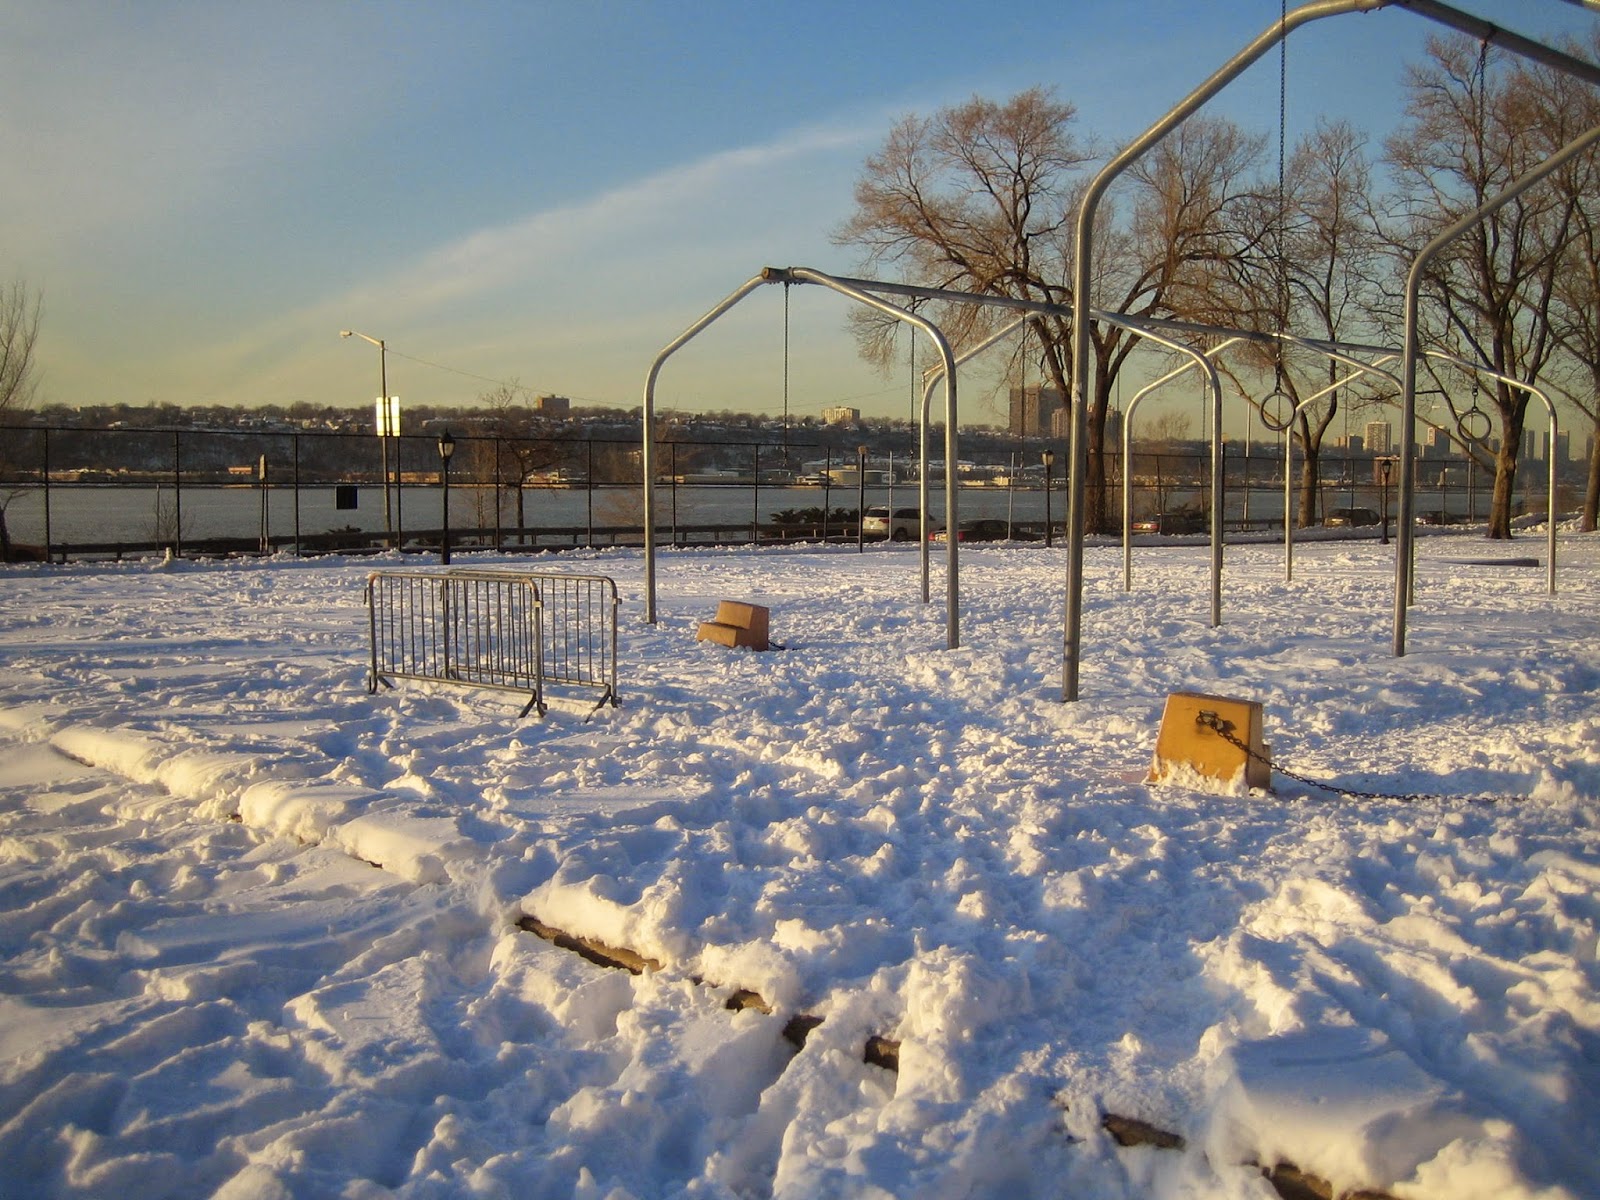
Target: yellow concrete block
x,y
753,617
1189,737
737,624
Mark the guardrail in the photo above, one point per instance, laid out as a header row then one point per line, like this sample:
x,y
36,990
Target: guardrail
x,y
513,631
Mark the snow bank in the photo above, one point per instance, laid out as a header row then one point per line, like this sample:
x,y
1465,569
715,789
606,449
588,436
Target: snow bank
x,y
261,929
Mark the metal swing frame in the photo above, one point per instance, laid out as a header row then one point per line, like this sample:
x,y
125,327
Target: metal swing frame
x,y
1072,633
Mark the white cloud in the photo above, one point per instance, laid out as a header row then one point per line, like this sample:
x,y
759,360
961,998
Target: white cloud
x,y
582,276
646,216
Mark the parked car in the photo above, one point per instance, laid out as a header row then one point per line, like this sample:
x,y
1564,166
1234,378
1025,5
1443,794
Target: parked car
x,y
1351,517
904,524
1182,520
986,529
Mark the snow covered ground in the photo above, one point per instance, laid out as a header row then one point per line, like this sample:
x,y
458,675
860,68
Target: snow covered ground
x,y
260,932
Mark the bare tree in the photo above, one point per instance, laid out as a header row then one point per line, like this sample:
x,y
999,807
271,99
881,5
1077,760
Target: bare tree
x,y
1169,429
515,456
1194,219
970,198
1470,130
1306,265
1578,328
981,197
20,311
1563,107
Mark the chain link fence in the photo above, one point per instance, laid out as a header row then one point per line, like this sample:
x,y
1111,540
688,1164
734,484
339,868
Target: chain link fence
x,y
109,492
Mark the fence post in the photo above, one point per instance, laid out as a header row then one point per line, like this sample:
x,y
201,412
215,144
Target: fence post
x,y
266,527
177,493
294,453
755,502
399,490
47,557
827,489
445,620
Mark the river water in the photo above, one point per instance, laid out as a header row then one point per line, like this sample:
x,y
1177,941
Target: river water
x,y
98,514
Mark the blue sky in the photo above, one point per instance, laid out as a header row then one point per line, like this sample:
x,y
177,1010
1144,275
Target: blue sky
x,y
206,193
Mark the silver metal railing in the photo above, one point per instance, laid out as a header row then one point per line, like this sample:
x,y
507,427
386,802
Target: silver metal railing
x,y
510,630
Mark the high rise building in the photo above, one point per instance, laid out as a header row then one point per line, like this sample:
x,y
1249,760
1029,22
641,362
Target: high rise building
x,y
1033,410
1379,437
1563,448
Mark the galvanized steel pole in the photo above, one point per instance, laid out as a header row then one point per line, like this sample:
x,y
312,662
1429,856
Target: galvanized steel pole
x,y
1072,635
1404,533
1084,243
951,438
931,378
648,454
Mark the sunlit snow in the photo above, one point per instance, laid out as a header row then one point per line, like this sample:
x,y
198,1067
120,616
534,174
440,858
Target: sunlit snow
x,y
260,929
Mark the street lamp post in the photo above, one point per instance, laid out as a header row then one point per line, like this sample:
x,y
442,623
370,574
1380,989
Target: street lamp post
x,y
1385,466
861,498
1049,460
388,423
447,447
266,523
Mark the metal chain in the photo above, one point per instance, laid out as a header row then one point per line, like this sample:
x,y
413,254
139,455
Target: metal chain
x,y
1224,730
1283,213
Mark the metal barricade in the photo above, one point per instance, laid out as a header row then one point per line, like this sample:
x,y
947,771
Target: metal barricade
x,y
515,631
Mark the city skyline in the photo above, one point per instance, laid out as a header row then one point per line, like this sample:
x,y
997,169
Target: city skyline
x,y
541,193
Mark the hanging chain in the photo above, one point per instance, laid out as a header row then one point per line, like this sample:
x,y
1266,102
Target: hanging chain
x,y
785,375
1224,730
1283,198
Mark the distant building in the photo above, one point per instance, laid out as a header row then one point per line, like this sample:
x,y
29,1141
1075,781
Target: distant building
x,y
554,406
1379,437
1355,445
1114,424
1034,411
1436,444
841,414
1563,448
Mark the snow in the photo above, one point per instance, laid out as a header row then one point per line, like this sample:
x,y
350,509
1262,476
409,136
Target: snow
x,y
261,929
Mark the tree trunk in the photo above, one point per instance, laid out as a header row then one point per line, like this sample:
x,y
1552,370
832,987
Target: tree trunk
x,y
1505,482
1512,415
1310,474
522,523
1094,492
1591,491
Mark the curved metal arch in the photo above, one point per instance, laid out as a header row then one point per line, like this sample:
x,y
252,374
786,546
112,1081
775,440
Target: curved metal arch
x,y
947,363
930,380
1083,270
1199,359
1127,451
845,288
1342,353
648,419
1550,463
1378,367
